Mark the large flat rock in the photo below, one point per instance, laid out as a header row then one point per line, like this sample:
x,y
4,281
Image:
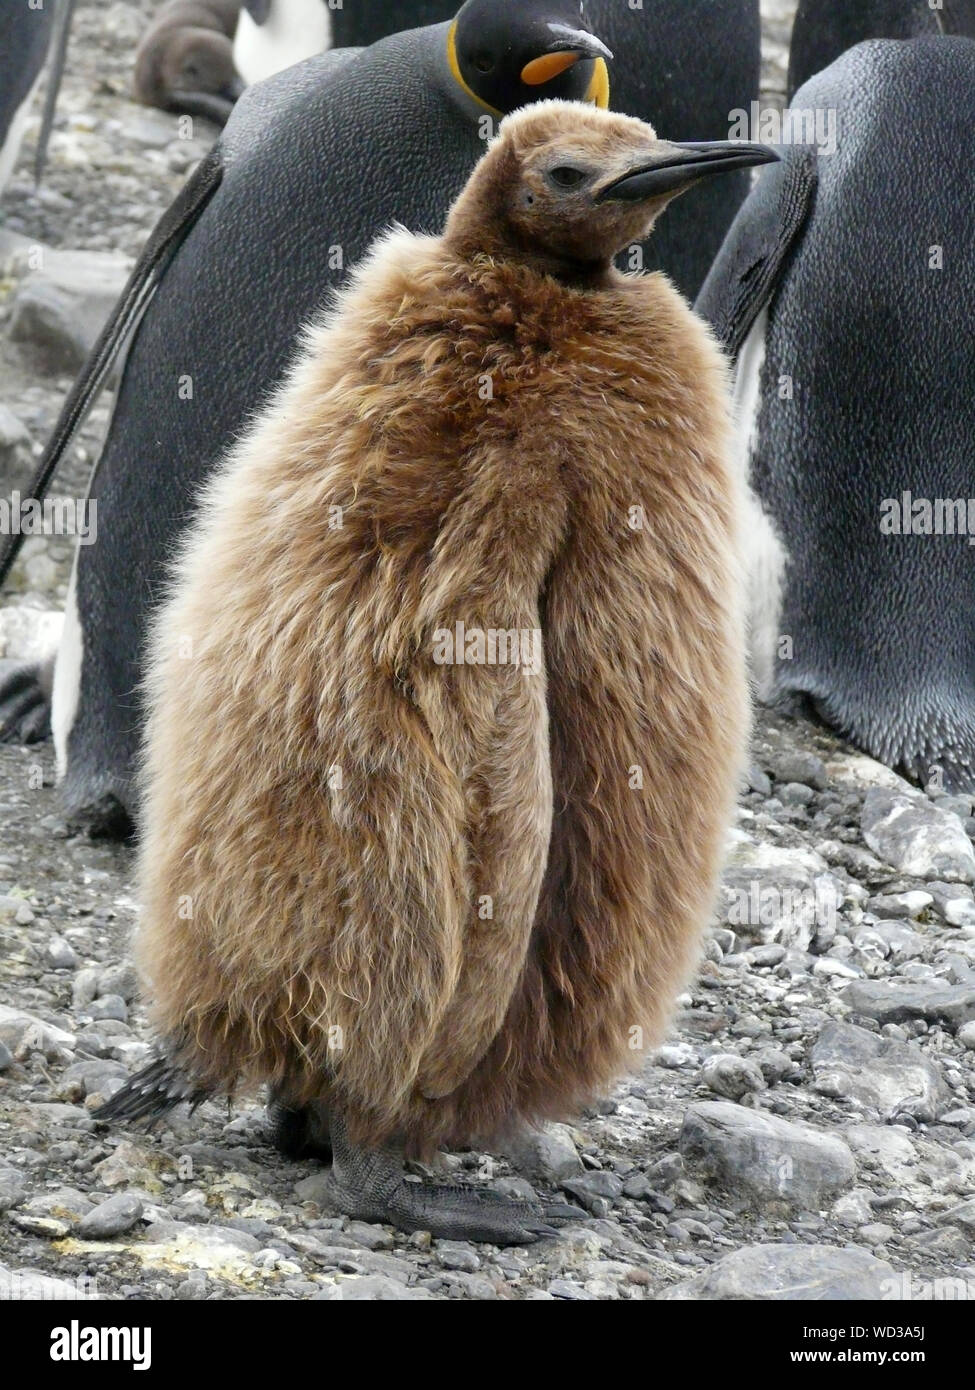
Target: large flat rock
x,y
792,1273
769,1160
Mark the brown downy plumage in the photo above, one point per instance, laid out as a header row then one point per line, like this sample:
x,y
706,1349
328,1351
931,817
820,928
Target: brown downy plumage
x,y
448,897
185,61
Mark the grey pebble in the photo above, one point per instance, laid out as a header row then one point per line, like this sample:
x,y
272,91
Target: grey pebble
x,y
732,1076
906,830
112,1217
774,1161
792,1273
13,1188
109,1006
458,1255
594,1187
795,765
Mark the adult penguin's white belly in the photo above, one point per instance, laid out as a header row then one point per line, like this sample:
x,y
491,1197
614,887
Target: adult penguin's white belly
x,y
293,31
13,139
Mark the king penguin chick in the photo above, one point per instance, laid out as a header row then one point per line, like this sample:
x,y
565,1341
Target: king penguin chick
x,y
185,62
448,700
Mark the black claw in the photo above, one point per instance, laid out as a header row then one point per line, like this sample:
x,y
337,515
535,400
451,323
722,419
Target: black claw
x,y
541,1231
463,1213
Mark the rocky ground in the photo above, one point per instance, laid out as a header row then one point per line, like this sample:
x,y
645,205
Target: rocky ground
x,y
808,1131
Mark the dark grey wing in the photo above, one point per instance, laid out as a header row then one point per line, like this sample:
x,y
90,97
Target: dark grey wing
x,y
743,278
55,71
258,10
159,251
25,40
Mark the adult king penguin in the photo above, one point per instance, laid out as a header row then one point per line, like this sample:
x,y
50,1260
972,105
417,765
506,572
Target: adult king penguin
x,y
28,38
846,290
687,66
693,66
825,29
185,62
311,166
339,783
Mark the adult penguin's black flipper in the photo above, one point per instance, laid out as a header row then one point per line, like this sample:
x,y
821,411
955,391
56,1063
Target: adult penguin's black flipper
x,y
159,250
742,280
735,300
55,71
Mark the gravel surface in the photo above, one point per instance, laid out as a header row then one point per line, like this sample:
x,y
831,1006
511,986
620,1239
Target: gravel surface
x,y
808,1131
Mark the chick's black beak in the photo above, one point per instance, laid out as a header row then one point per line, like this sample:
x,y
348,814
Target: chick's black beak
x,y
565,48
213,105
682,165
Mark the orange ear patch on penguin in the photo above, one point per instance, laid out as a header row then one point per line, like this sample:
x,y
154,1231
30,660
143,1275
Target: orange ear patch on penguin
x,y
505,56
550,65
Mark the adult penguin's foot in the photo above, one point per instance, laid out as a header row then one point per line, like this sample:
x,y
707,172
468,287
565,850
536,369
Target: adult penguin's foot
x,y
25,703
369,1185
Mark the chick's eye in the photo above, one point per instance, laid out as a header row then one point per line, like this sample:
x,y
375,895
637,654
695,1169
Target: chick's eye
x,y
567,177
483,62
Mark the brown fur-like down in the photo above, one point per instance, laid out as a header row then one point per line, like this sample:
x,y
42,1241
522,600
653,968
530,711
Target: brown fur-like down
x,y
452,897
188,50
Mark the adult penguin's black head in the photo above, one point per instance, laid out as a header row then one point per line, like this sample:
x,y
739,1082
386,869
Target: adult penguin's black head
x,y
507,53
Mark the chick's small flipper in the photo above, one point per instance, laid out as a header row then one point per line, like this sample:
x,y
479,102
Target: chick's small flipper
x,y
508,788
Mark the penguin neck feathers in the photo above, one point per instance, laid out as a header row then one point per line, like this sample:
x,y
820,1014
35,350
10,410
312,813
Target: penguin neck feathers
x,y
411,285
473,241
